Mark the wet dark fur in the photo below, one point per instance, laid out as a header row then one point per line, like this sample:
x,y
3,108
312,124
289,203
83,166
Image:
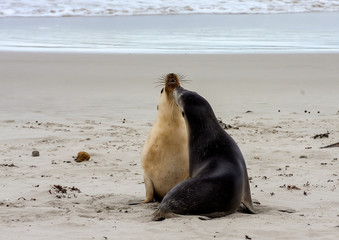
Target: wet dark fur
x,y
218,180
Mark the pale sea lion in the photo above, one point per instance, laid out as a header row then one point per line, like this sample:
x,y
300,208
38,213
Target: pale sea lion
x,y
218,181
165,153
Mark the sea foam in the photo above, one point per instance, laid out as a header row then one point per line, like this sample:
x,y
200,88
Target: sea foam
x,y
69,8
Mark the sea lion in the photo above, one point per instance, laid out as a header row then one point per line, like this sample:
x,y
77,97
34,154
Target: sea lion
x,y
165,153
218,181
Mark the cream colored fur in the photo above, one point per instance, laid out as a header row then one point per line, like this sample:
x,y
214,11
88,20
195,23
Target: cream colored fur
x,y
165,153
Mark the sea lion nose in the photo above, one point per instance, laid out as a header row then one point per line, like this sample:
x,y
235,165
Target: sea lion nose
x,y
171,78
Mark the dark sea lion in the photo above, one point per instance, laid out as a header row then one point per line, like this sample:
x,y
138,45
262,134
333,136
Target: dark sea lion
x,y
218,181
165,153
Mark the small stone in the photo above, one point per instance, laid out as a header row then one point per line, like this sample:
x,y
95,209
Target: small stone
x,y
82,156
35,154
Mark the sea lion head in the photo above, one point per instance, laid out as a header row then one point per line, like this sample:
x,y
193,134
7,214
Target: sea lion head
x,y
194,108
166,105
172,81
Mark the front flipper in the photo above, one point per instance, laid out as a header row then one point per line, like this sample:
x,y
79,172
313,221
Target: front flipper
x,y
149,189
135,202
246,198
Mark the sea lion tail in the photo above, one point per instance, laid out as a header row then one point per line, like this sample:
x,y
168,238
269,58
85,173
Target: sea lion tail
x,y
160,215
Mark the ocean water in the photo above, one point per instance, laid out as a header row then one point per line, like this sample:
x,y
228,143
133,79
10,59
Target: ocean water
x,y
154,26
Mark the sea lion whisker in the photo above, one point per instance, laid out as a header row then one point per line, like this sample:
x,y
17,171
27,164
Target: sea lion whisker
x,y
162,78
159,85
185,82
159,82
181,76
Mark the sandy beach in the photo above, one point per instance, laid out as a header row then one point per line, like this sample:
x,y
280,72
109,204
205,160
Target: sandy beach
x,y
282,108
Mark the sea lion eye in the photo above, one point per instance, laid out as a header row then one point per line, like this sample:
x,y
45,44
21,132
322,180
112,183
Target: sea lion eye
x,y
183,114
162,90
157,107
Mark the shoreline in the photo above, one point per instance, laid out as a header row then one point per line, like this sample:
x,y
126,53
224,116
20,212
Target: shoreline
x,y
172,14
58,52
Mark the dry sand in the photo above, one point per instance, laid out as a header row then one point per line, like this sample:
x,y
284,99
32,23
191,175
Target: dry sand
x,y
60,104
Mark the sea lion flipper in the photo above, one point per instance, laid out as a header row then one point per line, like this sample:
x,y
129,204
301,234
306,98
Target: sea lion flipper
x,y
135,202
160,215
247,199
214,215
249,207
149,189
